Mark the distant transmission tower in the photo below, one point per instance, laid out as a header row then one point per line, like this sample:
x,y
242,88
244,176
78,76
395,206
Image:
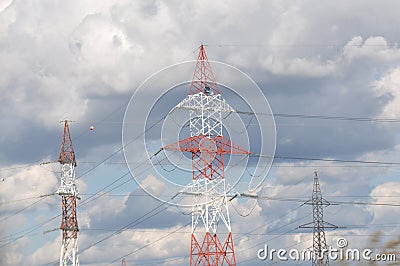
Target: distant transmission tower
x,y
208,147
318,225
69,193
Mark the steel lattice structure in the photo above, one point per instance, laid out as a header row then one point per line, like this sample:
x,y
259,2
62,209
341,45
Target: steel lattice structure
x,y
318,225
208,148
69,193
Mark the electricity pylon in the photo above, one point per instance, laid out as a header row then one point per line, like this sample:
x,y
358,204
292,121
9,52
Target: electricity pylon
x,y
319,248
69,193
208,147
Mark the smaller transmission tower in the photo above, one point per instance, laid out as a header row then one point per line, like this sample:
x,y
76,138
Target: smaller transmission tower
x,y
69,193
319,248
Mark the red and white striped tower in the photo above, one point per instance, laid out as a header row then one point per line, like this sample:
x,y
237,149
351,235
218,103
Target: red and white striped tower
x,y
207,145
69,193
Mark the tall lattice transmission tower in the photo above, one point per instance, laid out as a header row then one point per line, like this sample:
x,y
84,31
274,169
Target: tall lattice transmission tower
x,y
69,193
318,225
208,146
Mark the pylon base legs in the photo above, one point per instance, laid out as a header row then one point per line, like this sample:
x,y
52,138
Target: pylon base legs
x,y
211,252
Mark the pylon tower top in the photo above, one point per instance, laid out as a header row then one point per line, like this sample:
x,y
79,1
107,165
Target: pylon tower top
x,y
203,77
67,155
204,101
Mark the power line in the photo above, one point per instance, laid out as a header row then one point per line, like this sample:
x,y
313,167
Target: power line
x,y
324,117
275,237
342,118
189,223
283,157
18,167
324,159
25,231
21,210
84,202
165,260
369,164
18,200
130,225
335,202
261,197
311,45
107,158
149,244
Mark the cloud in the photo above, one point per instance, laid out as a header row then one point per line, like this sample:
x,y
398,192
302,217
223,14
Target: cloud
x,y
384,193
370,51
31,182
386,88
13,255
373,47
49,252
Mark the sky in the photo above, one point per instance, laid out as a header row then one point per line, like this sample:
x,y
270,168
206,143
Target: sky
x,y
321,66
